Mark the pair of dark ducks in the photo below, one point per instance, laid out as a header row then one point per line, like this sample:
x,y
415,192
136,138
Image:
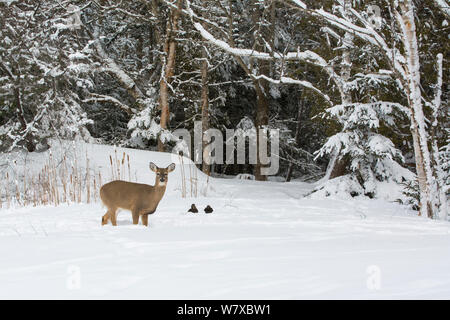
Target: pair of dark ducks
x,y
194,209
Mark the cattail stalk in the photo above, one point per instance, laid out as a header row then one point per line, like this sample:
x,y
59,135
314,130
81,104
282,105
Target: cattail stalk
x,y
129,170
88,183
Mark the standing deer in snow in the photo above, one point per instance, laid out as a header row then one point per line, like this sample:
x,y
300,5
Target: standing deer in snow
x,y
140,199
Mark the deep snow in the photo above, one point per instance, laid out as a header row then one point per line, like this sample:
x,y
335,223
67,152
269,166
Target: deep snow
x,y
263,241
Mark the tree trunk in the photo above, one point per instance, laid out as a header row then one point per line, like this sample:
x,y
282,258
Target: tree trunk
x,y
28,138
421,152
297,140
338,165
261,86
339,168
168,67
425,201
206,168
262,90
262,120
438,172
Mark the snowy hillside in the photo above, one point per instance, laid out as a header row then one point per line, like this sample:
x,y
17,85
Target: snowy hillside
x,y
263,241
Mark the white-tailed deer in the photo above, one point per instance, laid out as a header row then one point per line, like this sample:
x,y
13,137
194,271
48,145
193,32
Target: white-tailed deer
x,y
140,199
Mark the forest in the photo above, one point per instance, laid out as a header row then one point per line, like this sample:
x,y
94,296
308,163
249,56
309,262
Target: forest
x,y
358,90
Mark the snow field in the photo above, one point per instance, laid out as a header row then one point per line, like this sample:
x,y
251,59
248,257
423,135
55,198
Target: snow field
x,y
263,241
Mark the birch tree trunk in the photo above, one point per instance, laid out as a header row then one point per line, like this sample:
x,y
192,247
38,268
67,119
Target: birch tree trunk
x,y
421,151
438,172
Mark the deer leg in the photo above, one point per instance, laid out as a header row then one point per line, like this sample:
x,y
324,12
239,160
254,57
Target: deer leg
x,y
145,219
105,218
113,215
135,215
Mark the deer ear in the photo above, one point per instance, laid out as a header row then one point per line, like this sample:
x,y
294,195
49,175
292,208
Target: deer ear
x,y
171,167
153,167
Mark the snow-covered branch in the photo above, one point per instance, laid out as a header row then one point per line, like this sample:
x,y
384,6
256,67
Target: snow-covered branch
x,y
104,98
288,80
111,66
7,70
306,56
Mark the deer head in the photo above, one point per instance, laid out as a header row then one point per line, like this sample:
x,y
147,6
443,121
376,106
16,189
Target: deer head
x,y
162,174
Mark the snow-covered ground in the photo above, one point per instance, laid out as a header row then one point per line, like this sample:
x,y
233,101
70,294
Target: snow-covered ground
x,y
263,241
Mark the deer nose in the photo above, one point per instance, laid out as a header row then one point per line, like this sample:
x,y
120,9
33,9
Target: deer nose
x,y
162,179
